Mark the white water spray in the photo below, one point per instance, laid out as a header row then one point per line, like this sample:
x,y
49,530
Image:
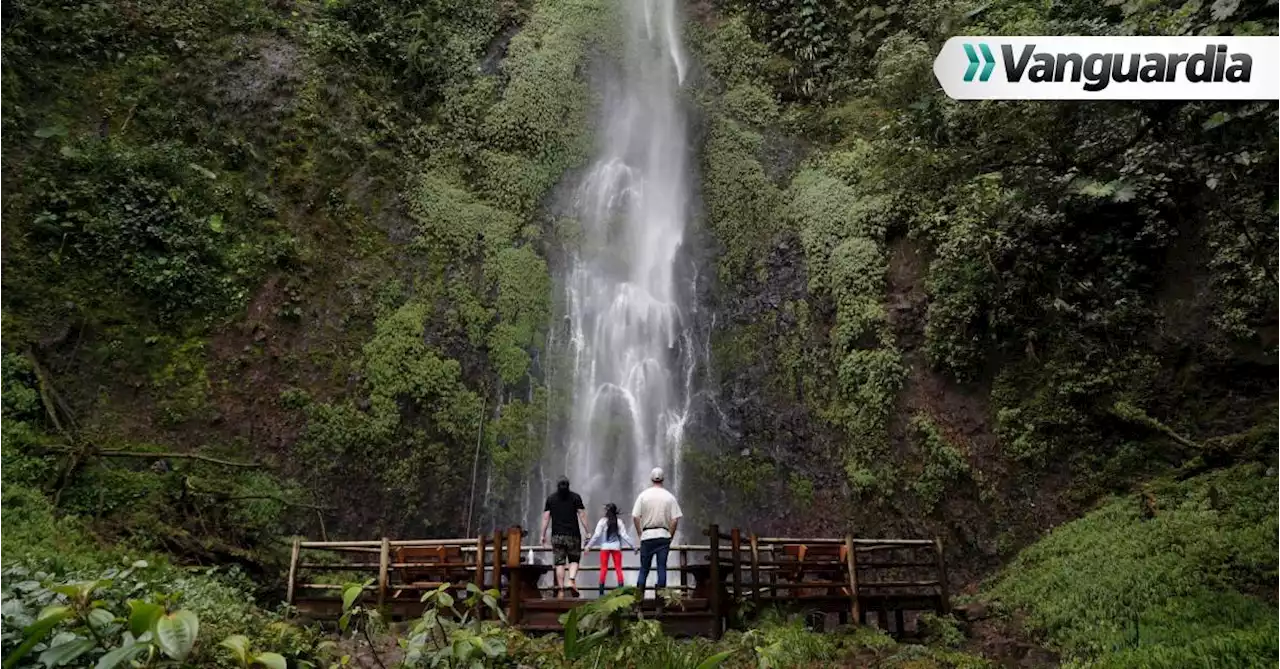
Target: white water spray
x,y
631,343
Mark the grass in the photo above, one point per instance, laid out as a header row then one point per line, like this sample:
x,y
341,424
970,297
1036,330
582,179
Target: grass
x,y
1182,575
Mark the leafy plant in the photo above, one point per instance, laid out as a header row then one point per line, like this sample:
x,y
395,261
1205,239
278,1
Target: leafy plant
x,y
246,657
451,632
586,627
82,623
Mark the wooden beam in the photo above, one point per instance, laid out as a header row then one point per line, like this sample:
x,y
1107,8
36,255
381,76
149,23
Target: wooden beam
x,y
293,569
944,603
351,566
384,574
464,544
717,610
497,561
898,584
818,541
735,539
852,557
513,576
480,573
684,566
755,570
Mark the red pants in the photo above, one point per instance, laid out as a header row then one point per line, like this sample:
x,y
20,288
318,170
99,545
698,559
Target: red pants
x,y
605,556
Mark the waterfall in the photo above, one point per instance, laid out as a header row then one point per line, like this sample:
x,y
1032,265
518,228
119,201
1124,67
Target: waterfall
x,y
629,331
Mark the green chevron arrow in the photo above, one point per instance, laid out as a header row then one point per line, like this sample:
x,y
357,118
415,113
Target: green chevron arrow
x,y
973,62
991,62
988,60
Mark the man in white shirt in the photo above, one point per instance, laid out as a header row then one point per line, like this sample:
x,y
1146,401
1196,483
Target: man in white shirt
x,y
656,515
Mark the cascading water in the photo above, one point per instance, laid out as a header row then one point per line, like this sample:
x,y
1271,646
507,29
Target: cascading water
x,y
632,357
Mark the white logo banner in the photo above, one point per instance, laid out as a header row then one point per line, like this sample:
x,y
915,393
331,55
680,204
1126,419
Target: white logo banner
x,y
1110,68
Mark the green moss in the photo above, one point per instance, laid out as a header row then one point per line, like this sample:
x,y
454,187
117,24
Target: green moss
x,y
944,462
741,200
34,532
182,385
731,55
801,490
751,104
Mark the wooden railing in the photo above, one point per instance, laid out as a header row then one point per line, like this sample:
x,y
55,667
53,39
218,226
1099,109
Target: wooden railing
x,y
886,575
849,576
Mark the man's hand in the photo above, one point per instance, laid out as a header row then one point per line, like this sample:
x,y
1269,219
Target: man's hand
x,y
544,541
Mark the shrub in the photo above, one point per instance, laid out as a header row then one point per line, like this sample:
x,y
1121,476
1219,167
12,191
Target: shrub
x,y
1119,588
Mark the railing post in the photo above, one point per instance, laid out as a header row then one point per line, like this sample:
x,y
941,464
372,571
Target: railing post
x,y
755,570
384,563
293,569
714,559
773,571
684,571
735,539
856,605
944,603
497,561
513,576
480,573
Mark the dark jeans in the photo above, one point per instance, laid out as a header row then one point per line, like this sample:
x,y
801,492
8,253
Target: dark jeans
x,y
650,548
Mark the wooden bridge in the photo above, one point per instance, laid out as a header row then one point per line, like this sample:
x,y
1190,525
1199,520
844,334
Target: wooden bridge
x,y
886,582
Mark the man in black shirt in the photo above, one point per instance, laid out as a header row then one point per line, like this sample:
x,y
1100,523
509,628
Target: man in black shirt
x,y
566,514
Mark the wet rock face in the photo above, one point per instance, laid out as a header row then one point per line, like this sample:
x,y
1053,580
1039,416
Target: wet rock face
x,y
265,81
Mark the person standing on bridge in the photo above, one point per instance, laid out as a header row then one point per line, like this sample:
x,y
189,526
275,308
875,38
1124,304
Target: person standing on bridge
x,y
565,514
610,535
656,515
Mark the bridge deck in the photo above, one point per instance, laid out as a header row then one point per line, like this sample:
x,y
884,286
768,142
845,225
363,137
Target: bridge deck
x,y
894,579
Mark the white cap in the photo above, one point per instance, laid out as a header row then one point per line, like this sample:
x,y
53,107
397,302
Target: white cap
x,y
656,474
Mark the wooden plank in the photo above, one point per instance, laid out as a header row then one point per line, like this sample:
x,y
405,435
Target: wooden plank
x,y
812,585
898,584
851,556
821,541
339,549
812,541
755,570
944,603
370,566
384,576
735,539
931,564
398,544
717,607
293,569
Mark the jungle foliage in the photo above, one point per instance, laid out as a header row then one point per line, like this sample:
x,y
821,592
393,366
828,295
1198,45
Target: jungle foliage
x,y
339,198
1188,566
1075,257
1078,296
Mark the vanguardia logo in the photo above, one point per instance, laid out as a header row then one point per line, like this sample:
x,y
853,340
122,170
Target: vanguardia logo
x,y
1110,68
1098,70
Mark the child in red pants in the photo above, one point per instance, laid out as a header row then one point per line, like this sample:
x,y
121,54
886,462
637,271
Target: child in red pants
x,y
610,536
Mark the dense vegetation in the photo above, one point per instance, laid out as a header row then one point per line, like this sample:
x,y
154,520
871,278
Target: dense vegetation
x,y
1005,301
1180,579
288,266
